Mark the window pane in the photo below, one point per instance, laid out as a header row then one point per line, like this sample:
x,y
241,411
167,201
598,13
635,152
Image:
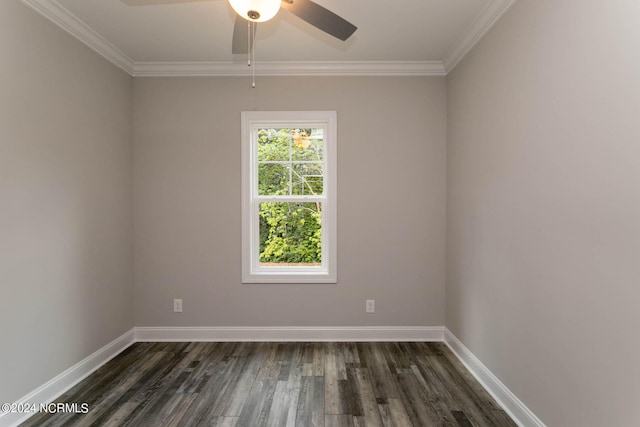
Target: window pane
x,y
273,179
290,234
290,161
307,179
307,144
273,144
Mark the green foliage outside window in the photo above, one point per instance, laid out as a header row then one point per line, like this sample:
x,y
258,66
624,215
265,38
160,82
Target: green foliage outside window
x,y
290,163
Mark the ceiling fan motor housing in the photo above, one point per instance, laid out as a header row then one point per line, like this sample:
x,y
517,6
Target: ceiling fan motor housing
x,y
256,10
307,10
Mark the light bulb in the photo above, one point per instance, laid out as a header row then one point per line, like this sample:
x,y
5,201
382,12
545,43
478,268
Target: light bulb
x,y
256,10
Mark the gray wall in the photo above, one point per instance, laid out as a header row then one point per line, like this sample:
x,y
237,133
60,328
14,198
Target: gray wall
x,y
391,202
543,204
544,208
65,210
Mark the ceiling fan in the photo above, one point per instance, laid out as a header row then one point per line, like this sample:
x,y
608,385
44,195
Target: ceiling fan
x,y
255,11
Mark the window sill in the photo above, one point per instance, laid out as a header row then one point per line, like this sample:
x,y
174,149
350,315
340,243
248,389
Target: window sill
x,y
289,278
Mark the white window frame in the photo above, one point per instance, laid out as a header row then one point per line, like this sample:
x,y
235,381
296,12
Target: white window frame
x,y
252,271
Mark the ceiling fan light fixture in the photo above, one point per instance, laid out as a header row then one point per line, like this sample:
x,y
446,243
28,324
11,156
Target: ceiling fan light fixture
x,y
256,10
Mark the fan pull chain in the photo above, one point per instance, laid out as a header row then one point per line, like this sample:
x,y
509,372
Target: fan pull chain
x,y
253,54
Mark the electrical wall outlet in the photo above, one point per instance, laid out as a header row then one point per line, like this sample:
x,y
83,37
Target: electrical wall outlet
x,y
370,306
177,306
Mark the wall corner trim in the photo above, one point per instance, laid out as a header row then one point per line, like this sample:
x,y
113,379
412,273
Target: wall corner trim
x,y
55,387
64,19
505,398
291,333
480,26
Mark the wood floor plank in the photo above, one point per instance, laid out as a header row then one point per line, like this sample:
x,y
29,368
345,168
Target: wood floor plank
x,y
436,395
258,404
318,359
349,352
367,398
223,422
213,393
280,404
429,379
311,402
331,378
281,384
111,401
335,420
397,357
286,352
349,392
420,411
473,408
270,369
228,421
397,414
162,401
120,415
252,362
175,414
461,419
150,392
384,384
207,357
294,385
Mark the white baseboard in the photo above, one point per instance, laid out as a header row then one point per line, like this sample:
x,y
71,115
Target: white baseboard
x,y
289,333
505,398
55,387
63,382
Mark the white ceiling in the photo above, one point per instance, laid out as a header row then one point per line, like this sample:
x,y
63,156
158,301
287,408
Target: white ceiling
x,y
194,37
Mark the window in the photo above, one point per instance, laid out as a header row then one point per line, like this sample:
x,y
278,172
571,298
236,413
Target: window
x,y
289,197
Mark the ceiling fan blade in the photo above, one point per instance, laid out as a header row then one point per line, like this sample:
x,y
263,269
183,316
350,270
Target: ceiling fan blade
x,y
156,2
240,42
320,17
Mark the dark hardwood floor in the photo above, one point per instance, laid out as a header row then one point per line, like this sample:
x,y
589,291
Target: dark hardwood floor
x,y
281,384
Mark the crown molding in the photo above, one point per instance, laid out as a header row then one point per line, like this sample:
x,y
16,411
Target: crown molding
x,y
487,18
60,16
290,68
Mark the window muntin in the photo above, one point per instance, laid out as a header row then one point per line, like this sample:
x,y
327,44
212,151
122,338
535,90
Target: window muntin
x,y
289,197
